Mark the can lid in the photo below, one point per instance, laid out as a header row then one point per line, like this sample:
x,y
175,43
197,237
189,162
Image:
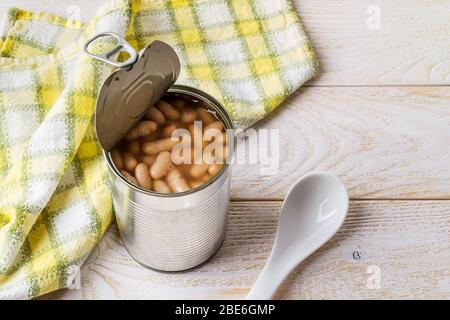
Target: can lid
x,y
126,94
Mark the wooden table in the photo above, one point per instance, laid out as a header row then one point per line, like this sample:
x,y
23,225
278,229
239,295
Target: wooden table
x,y
379,117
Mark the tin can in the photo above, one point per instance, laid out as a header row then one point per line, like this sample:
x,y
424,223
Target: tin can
x,y
174,231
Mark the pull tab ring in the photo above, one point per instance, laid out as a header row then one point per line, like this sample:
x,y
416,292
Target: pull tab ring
x,y
121,46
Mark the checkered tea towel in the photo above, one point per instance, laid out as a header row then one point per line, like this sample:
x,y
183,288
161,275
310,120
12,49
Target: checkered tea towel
x,y
55,202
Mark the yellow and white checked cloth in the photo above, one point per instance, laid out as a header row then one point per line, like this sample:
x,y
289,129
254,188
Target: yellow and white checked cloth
x,y
55,203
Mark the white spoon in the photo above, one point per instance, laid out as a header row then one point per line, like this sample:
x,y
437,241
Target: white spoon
x,y
313,211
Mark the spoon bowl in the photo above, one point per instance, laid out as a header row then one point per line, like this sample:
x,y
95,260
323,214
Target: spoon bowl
x,y
313,211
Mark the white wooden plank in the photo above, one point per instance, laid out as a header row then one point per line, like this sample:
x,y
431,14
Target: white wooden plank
x,y
410,47
408,242
383,142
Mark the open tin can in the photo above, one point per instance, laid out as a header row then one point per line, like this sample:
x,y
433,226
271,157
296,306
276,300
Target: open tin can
x,y
163,231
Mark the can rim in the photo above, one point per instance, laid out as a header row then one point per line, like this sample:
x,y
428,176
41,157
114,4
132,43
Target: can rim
x,y
225,117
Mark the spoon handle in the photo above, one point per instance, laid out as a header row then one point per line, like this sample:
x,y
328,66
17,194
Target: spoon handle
x,y
268,281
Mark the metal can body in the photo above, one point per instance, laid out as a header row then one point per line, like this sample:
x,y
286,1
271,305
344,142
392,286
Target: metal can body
x,y
174,232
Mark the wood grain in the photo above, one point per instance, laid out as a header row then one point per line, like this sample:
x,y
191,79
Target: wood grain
x,y
383,142
409,48
409,241
377,117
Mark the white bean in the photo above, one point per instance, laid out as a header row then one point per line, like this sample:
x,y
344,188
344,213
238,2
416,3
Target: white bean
x,y
194,184
152,136
157,146
188,115
198,170
167,131
148,160
161,165
160,186
168,110
143,128
213,169
206,178
143,176
129,162
155,115
176,181
129,177
147,127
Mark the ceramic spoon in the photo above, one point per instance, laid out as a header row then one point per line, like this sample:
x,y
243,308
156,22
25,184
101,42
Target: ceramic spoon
x,y
313,211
